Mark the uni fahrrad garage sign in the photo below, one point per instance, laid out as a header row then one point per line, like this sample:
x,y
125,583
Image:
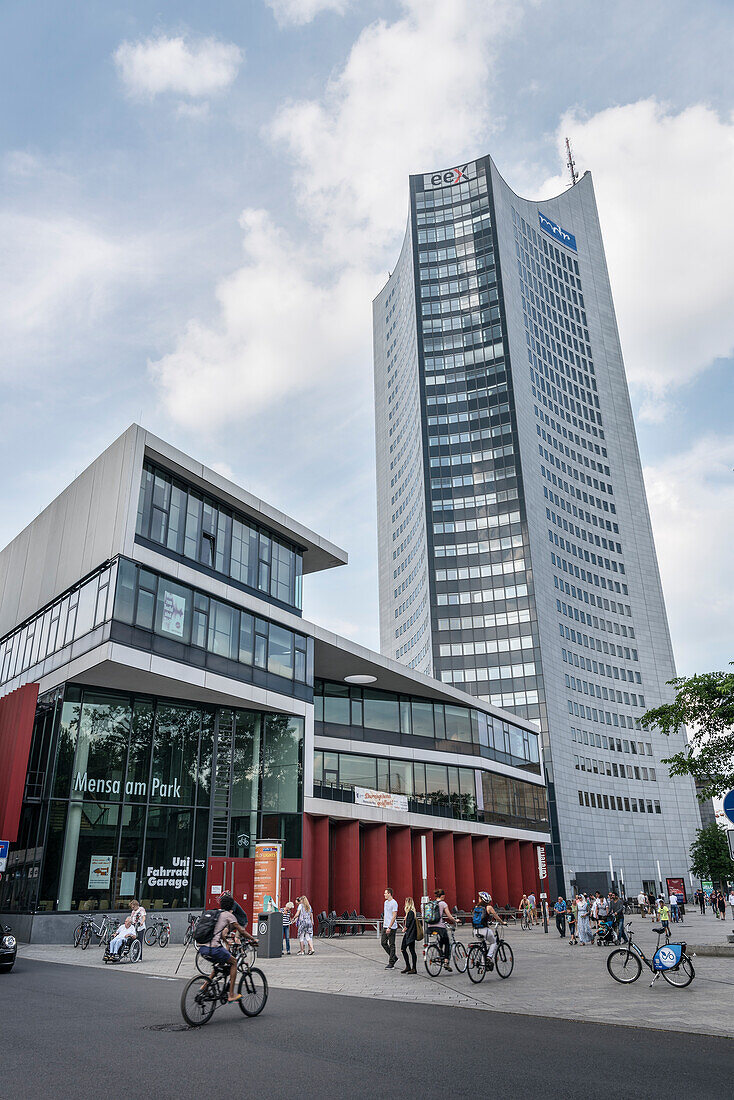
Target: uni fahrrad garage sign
x,y
176,876
554,230
84,785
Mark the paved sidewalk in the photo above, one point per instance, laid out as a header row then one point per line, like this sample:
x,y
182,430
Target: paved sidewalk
x,y
550,978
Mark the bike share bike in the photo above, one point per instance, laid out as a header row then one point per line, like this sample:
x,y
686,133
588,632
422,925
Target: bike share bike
x,y
104,931
433,958
670,960
479,962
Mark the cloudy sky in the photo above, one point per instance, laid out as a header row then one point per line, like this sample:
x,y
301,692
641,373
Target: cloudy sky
x,y
199,202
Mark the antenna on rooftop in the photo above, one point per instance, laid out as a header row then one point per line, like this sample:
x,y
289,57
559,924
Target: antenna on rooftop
x,y
571,163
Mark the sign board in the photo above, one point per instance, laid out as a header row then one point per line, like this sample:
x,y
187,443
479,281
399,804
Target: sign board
x,y
127,884
554,230
730,838
542,867
447,177
707,886
729,806
100,871
174,613
677,888
383,800
4,848
267,874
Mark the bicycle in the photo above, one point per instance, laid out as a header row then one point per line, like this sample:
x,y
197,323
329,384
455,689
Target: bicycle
x,y
479,962
189,933
433,958
525,921
245,953
158,929
201,996
625,963
104,931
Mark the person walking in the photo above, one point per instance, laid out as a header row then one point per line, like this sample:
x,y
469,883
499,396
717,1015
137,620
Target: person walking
x,y
701,902
673,903
560,910
585,934
664,916
389,928
572,918
410,935
138,914
730,899
304,926
642,903
286,912
721,903
616,909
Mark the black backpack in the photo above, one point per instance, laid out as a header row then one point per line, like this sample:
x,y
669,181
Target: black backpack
x,y
205,925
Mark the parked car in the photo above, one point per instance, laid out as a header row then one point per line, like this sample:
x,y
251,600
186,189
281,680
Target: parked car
x,y
8,950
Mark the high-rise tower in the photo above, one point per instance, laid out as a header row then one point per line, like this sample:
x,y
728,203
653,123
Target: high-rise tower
x,y
516,556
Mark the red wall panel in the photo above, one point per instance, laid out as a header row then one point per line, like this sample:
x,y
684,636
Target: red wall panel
x,y
17,714
483,879
529,867
443,855
418,867
464,865
500,890
344,866
400,864
316,862
373,871
514,871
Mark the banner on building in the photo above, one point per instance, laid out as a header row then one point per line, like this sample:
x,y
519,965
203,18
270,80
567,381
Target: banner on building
x,y
268,854
382,800
100,871
677,888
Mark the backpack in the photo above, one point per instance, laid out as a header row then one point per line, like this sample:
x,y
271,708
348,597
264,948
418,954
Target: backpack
x,y
479,915
432,913
205,925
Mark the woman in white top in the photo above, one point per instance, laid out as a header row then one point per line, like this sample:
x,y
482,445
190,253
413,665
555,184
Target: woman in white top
x,y
584,932
304,924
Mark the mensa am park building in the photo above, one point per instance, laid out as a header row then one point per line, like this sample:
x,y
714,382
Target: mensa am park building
x,y
164,704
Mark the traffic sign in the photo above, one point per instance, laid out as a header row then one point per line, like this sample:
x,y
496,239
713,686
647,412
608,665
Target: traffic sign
x,y
729,806
4,848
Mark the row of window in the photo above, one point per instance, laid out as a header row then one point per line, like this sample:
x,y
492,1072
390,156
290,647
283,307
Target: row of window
x,y
587,688
174,611
614,744
195,526
592,714
349,705
619,771
615,802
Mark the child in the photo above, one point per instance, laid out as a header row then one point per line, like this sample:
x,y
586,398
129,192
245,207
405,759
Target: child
x,y
571,917
664,915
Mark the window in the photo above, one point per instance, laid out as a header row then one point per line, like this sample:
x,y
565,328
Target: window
x,y
381,711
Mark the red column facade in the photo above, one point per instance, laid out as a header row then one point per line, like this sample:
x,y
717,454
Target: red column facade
x,y
316,859
417,866
529,867
344,866
464,865
483,879
443,855
373,870
17,715
500,889
400,865
514,871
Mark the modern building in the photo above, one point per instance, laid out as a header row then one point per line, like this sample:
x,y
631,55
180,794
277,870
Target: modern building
x,y
164,704
516,555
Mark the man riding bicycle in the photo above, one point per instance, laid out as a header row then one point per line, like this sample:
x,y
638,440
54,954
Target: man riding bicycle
x,y
483,913
217,950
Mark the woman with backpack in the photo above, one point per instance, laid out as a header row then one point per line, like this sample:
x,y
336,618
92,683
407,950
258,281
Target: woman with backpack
x,y
410,935
304,924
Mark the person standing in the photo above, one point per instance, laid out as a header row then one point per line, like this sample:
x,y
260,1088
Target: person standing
x,y
664,916
616,909
585,934
304,925
731,901
572,918
138,914
286,912
389,928
560,910
673,903
410,935
642,903
721,902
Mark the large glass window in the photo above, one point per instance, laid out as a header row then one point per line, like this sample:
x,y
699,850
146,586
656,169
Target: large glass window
x,y
381,711
175,753
282,766
357,771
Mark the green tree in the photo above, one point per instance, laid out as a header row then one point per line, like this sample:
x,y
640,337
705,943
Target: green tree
x,y
704,703
710,855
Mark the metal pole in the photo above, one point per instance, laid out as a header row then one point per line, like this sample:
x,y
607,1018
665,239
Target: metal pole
x,y
611,870
660,876
545,916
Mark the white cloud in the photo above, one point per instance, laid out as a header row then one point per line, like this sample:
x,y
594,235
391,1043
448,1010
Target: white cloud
x,y
283,328
299,12
691,496
663,183
152,66
412,96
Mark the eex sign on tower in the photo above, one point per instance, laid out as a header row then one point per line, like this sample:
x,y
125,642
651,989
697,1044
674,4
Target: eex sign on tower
x,y
516,556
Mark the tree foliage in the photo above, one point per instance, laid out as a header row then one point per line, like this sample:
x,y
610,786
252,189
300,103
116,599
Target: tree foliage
x,y
710,857
705,704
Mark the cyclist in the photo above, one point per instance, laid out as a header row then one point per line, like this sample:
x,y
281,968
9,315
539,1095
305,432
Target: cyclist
x,y
439,927
483,928
217,950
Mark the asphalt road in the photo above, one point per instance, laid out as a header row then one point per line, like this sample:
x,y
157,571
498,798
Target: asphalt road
x,y
84,1033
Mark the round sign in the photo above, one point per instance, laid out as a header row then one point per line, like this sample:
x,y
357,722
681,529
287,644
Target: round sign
x,y
667,956
262,928
729,806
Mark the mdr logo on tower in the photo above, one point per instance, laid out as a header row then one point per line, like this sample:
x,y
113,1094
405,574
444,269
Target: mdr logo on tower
x,y
554,230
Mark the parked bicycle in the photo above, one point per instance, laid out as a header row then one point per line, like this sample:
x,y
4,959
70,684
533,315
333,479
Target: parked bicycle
x,y
670,960
479,962
433,958
189,933
201,996
158,928
105,930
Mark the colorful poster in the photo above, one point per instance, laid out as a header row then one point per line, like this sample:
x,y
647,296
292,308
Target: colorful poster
x,y
174,613
267,875
678,887
100,871
383,800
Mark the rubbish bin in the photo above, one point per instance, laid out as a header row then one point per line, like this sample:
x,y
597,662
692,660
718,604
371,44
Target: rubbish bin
x,y
270,935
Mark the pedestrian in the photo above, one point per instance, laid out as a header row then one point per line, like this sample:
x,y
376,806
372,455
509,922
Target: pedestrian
x,y
138,914
572,918
389,928
673,903
731,901
410,935
287,917
664,916
304,926
701,899
125,932
560,910
616,909
721,903
642,903
533,908
585,934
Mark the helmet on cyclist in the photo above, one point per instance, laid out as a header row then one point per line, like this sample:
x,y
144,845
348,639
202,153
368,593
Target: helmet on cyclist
x,y
226,901
484,896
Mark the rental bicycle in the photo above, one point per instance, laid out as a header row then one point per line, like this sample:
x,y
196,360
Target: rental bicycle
x,y
105,930
201,996
433,958
159,929
625,963
479,962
